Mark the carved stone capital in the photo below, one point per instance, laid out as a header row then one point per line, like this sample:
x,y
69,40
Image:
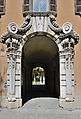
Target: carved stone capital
x,y
68,32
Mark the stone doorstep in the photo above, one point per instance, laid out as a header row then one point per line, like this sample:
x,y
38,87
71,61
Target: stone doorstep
x,y
68,105
16,104
12,105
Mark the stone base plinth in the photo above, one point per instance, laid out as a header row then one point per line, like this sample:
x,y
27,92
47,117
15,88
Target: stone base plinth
x,y
3,101
16,104
67,104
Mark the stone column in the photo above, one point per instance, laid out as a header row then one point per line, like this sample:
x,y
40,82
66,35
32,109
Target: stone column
x,y
40,80
18,78
69,38
11,54
34,80
14,77
67,72
62,75
43,80
70,73
12,66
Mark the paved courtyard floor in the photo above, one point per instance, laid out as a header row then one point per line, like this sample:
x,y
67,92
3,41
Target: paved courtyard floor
x,y
40,108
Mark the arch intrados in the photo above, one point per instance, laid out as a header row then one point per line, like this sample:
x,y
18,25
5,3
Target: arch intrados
x,y
46,34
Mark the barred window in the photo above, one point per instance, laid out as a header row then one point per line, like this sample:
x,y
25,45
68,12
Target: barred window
x,y
53,5
26,5
39,5
2,7
35,5
78,7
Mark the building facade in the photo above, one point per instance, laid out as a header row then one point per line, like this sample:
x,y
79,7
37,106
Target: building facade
x,y
40,42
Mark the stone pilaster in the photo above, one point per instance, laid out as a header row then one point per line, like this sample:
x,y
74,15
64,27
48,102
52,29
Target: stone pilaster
x,y
62,75
67,73
14,77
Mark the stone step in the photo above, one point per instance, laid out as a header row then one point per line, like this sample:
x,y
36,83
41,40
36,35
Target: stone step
x,y
44,103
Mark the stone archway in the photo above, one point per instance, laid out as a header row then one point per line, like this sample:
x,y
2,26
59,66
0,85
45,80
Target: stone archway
x,y
44,27
42,51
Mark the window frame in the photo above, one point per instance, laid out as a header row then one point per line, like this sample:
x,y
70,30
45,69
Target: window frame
x,y
40,6
31,12
55,5
3,7
30,6
76,6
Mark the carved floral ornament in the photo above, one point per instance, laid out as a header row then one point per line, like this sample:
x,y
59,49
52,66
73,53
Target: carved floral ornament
x,y
15,34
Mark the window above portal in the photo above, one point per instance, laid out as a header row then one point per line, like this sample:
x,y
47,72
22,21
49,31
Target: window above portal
x,y
78,7
38,6
2,7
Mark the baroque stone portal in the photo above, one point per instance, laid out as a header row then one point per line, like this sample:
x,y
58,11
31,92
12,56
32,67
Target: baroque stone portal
x,y
63,39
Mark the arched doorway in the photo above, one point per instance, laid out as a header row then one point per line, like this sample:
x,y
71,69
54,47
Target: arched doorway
x,y
40,42
40,51
38,76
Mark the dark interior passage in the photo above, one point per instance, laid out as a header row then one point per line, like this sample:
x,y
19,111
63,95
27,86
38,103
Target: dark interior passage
x,y
38,76
40,51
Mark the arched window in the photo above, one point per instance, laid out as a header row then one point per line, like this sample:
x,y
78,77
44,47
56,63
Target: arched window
x,y
2,7
39,6
38,76
78,7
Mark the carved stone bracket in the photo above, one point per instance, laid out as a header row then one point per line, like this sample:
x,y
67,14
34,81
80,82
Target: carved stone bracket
x,y
16,33
27,25
65,32
53,25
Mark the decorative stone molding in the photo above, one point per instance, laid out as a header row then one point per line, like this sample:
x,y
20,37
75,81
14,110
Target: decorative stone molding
x,y
68,31
16,37
27,25
13,28
53,25
16,33
67,28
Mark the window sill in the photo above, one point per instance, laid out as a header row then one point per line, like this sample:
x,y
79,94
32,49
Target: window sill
x,y
39,13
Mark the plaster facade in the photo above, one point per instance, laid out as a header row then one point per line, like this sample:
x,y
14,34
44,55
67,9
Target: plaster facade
x,y
65,39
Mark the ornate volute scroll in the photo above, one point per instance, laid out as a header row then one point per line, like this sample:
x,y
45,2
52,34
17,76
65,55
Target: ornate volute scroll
x,y
53,25
68,32
27,25
15,32
12,36
13,28
67,28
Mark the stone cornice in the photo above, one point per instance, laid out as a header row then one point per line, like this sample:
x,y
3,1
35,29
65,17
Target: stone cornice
x,y
15,32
